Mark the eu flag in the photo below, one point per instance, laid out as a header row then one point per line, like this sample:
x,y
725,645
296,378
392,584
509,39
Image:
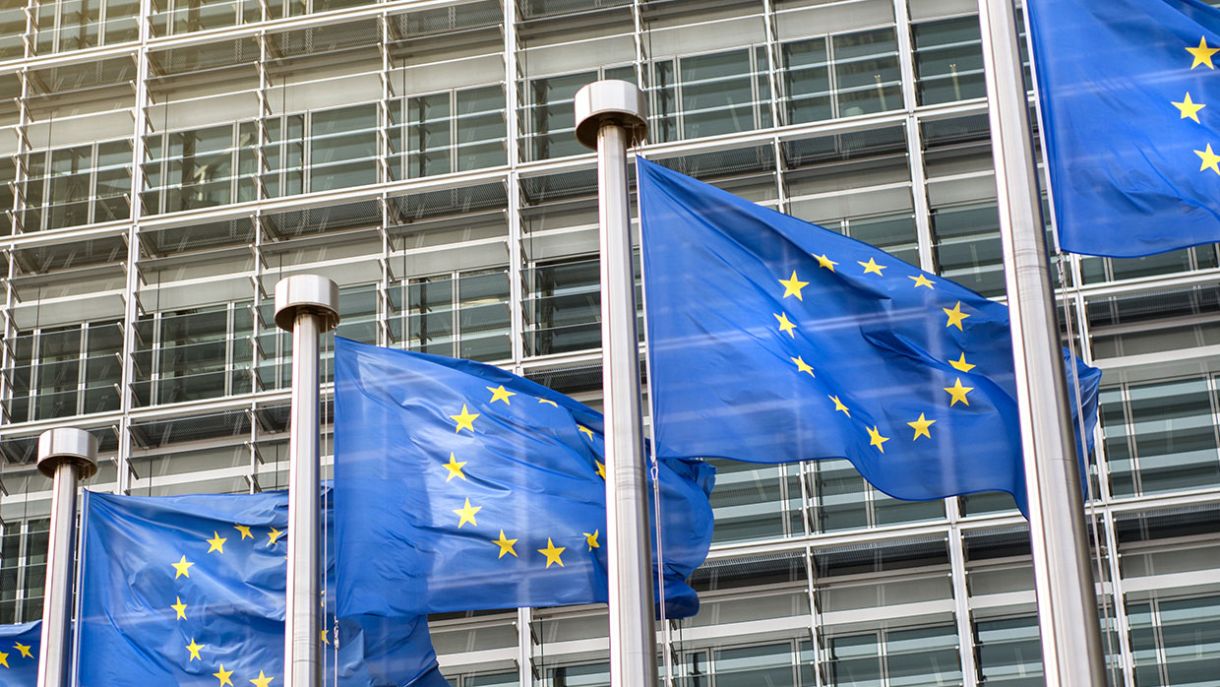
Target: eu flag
x,y
775,340
459,486
191,590
19,645
1131,108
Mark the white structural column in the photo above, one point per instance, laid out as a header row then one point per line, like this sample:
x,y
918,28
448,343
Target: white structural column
x,y
306,305
66,455
610,118
1067,604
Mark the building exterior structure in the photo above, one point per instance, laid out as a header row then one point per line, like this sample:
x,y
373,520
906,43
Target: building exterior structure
x,y
165,162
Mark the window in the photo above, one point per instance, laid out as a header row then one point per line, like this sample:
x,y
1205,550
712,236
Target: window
x,y
550,115
23,567
949,60
713,94
79,185
967,243
193,354
65,371
182,16
192,169
343,148
563,312
452,131
62,25
888,658
1175,641
844,75
1009,651
463,314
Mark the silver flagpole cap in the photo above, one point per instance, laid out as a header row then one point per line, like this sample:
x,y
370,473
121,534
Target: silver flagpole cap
x,y
306,293
610,102
67,445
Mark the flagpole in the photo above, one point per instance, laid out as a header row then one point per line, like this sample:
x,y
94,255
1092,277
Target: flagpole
x,y
1063,579
610,118
306,305
66,455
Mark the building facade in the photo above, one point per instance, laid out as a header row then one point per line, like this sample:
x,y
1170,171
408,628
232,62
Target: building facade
x,y
165,162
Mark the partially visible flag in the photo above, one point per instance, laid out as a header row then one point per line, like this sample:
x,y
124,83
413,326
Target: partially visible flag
x,y
459,486
1131,108
191,590
19,650
775,340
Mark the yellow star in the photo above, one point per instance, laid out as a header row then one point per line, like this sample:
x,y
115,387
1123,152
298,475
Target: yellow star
x,y
3,659
955,316
24,649
216,543
958,393
802,366
552,553
499,393
1189,109
466,513
839,407
875,439
1208,159
454,466
921,427
506,545
785,325
273,536
921,280
548,402
591,540
825,262
871,267
225,676
325,636
465,419
182,568
179,608
262,680
601,469
586,431
961,365
793,286
1202,54
194,649
244,530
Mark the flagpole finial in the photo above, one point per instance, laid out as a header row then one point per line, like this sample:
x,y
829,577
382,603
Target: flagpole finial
x,y
67,445
306,293
610,102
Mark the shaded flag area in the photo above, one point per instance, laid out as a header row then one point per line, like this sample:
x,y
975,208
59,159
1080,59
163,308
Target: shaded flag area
x,y
459,486
775,340
1130,106
19,654
191,590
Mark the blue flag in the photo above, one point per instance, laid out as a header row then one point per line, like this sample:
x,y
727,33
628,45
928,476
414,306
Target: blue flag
x,y
19,650
775,340
459,486
191,590
1130,102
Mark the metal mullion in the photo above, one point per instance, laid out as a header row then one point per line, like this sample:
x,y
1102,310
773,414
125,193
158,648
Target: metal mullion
x,y
35,372
229,358
383,110
815,620
82,360
383,294
961,602
512,150
1122,622
130,310
773,67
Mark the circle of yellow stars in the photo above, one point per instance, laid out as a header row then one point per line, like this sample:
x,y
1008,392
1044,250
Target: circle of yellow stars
x,y
182,569
464,420
1202,55
955,317
23,651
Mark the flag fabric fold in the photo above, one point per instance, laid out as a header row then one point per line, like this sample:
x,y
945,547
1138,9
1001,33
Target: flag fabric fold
x,y
1131,110
774,340
459,486
20,646
191,590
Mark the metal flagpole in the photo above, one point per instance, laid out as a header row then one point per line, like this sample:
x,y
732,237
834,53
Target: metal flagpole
x,y
610,117
1067,604
66,455
306,305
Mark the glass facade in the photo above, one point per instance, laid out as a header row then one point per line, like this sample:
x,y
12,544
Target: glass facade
x,y
159,174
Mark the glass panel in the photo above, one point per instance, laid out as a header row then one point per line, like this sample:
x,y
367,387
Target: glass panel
x,y
948,60
1009,651
343,148
756,666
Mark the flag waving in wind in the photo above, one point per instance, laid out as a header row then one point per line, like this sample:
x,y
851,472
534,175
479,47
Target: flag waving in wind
x,y
191,590
775,340
1130,101
19,652
459,486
